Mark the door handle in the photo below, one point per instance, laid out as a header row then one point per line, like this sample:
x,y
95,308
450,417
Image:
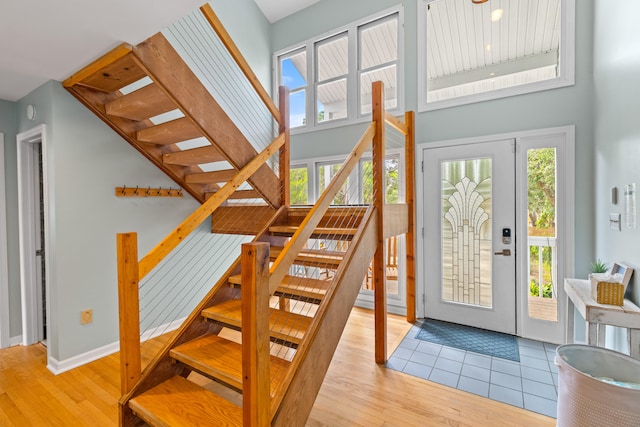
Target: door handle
x,y
505,252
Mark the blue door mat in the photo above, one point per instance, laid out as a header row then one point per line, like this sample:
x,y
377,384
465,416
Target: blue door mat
x,y
481,341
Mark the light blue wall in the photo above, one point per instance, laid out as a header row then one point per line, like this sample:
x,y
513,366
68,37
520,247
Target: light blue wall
x,y
250,31
9,126
87,160
617,127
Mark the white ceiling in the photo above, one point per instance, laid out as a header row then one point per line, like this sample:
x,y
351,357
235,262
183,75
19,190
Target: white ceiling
x,y
42,40
275,10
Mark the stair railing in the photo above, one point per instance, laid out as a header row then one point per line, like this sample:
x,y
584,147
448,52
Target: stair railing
x,y
131,271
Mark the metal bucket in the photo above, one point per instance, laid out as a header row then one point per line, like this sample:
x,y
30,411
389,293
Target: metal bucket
x,y
587,396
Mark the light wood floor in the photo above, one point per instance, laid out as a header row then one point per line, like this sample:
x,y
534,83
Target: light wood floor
x,y
356,391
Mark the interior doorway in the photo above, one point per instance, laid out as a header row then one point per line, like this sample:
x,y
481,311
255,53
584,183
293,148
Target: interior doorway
x,y
33,205
497,216
4,268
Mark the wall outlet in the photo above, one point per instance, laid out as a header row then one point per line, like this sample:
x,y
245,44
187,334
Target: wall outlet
x,y
86,317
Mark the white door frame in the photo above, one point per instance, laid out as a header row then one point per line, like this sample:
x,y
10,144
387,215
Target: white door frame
x,y
27,209
4,266
566,255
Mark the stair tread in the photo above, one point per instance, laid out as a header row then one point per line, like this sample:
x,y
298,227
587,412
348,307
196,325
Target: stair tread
x,y
313,257
221,359
170,132
142,104
283,325
301,287
337,233
179,402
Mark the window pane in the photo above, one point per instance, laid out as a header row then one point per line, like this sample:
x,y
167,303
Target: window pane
x,y
293,69
346,195
388,76
332,58
299,186
332,100
466,232
541,210
476,48
391,180
379,42
297,109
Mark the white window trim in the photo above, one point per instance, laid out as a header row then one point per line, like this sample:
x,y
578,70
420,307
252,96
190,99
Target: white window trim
x,y
566,65
353,80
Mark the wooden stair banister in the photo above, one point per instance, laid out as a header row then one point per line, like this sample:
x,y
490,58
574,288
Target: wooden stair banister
x,y
195,219
256,394
226,39
378,266
281,265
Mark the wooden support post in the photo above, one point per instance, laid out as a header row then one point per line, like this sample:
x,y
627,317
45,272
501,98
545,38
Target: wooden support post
x,y
410,176
129,309
379,270
285,153
256,398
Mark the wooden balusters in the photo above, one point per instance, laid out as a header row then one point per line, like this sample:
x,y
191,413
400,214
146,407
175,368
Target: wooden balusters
x,y
256,398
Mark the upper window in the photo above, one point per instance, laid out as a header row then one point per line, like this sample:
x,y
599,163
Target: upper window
x,y
472,51
341,67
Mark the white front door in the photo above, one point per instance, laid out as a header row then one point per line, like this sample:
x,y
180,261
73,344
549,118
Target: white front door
x,y
469,234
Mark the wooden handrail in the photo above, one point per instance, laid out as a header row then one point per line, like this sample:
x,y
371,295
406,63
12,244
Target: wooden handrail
x,y
306,228
224,36
395,123
170,242
256,397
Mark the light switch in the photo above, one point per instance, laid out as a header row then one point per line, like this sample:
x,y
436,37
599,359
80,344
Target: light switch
x,y
615,221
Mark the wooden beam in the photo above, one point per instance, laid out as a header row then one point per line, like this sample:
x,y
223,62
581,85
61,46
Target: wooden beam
x,y
191,97
394,122
285,153
158,253
142,104
209,177
116,54
170,132
226,39
379,269
410,177
256,397
129,310
194,156
281,265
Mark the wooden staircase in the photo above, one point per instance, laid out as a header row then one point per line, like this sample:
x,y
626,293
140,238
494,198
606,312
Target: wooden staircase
x,y
255,350
206,343
104,87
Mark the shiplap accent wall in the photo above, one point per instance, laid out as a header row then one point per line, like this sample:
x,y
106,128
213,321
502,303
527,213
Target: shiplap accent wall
x,y
199,46
173,289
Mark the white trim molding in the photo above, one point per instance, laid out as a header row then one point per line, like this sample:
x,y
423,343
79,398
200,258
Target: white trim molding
x,y
27,230
4,264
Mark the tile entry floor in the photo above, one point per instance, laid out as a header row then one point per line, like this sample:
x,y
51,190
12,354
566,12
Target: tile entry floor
x,y
531,384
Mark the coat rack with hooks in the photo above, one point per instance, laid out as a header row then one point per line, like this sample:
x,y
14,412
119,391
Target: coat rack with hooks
x,y
125,191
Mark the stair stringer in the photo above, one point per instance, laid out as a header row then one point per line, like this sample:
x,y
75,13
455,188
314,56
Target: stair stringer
x,y
310,365
163,367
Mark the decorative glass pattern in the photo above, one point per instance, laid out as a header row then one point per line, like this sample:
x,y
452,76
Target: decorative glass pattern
x,y
466,232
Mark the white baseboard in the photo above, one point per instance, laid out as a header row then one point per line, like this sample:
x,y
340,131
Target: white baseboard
x,y
17,340
58,367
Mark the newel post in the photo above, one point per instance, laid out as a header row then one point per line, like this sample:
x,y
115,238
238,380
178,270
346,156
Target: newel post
x,y
129,310
256,398
410,177
285,153
379,270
